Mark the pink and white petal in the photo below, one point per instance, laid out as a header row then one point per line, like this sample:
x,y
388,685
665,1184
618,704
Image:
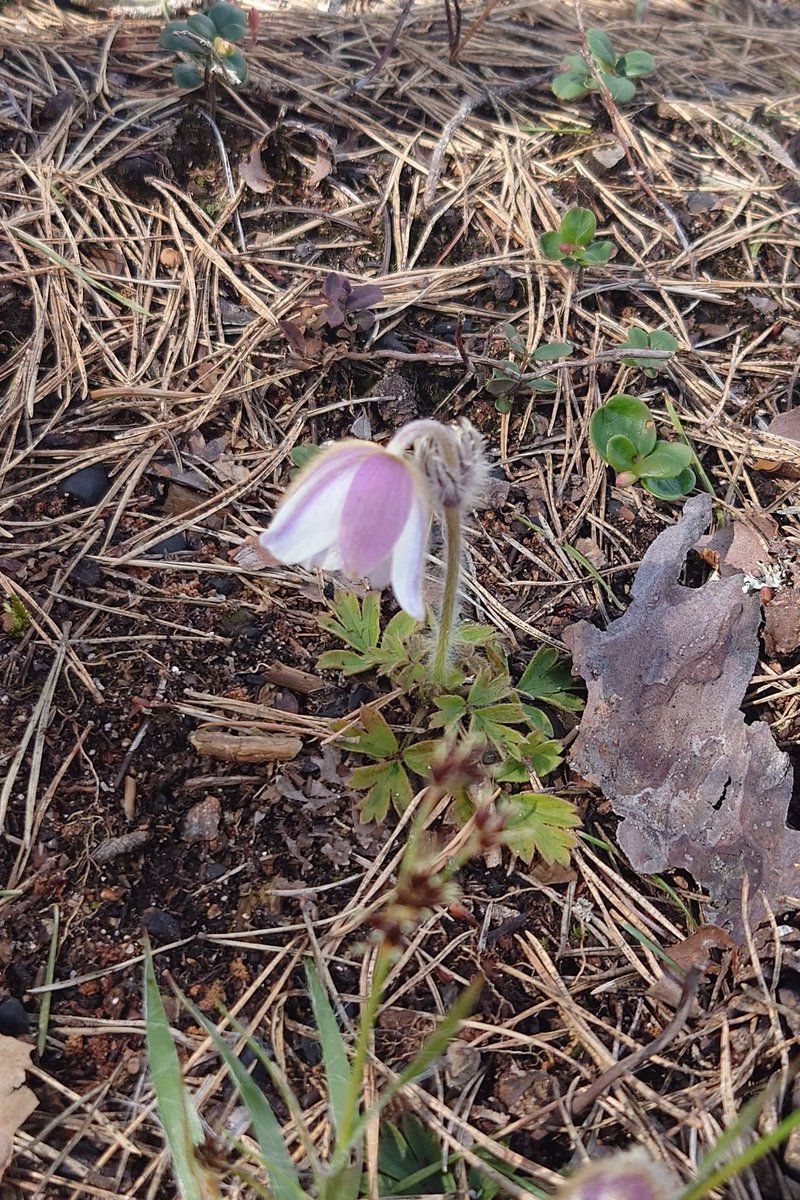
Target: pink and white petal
x,y
381,576
408,560
307,521
375,512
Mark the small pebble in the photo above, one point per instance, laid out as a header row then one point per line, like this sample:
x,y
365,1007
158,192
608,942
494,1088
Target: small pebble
x,y
88,485
201,823
161,925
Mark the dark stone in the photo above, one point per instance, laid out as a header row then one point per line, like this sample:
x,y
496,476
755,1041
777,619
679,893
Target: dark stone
x,y
161,925
214,871
88,485
14,1019
171,545
86,572
226,585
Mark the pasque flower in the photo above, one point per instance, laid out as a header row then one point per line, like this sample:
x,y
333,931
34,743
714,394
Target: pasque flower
x,y
366,510
361,509
626,1175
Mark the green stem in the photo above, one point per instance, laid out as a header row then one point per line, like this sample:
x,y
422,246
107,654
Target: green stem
x,y
449,609
677,425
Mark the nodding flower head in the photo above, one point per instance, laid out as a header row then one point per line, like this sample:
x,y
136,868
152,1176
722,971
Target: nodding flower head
x,y
366,510
360,509
629,1175
453,460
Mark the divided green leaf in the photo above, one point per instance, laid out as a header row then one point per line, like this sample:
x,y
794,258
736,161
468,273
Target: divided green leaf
x,y
540,824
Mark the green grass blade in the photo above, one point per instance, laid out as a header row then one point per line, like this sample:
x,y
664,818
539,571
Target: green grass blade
x,y
60,261
334,1051
181,1124
284,1180
711,1179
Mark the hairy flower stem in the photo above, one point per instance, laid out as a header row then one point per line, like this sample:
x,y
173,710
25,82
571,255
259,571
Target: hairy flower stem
x,y
449,610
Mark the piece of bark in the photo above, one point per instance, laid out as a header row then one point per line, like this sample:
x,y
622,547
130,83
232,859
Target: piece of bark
x,y
664,737
249,748
17,1101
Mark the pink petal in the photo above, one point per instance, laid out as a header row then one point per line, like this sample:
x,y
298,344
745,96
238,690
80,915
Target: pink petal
x,y
375,512
408,560
307,521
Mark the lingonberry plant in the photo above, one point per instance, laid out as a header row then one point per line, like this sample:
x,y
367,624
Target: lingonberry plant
x,y
656,339
623,432
602,66
573,244
208,40
508,380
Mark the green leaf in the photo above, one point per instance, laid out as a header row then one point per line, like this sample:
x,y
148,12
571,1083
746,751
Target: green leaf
x,y
548,678
451,710
549,351
334,1052
544,386
181,1124
535,753
236,63
540,824
595,255
229,20
284,1180
388,784
503,380
538,719
667,461
173,37
578,227
375,738
549,244
503,406
571,86
637,338
622,90
670,489
185,75
202,26
347,661
660,339
623,414
621,453
601,48
488,688
636,63
419,756
515,342
358,625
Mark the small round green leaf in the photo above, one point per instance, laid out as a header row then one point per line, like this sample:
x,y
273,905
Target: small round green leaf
x,y
229,20
661,340
544,386
636,63
202,26
173,36
503,406
548,351
236,62
637,338
666,460
622,90
549,244
620,453
571,86
626,415
597,254
670,489
578,227
186,75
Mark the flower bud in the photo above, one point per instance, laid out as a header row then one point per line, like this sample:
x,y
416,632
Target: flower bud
x,y
454,464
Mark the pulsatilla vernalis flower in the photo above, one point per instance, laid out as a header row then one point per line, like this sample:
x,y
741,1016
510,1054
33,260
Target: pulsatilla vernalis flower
x,y
629,1175
361,509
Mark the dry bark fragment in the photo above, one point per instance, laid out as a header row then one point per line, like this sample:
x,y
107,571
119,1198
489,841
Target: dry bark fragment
x,y
17,1101
665,739
249,748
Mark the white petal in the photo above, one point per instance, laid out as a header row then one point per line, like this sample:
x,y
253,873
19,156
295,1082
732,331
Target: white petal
x,y
307,522
408,560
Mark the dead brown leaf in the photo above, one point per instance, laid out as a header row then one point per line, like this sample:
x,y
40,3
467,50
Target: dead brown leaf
x,y
739,546
17,1101
664,736
251,170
